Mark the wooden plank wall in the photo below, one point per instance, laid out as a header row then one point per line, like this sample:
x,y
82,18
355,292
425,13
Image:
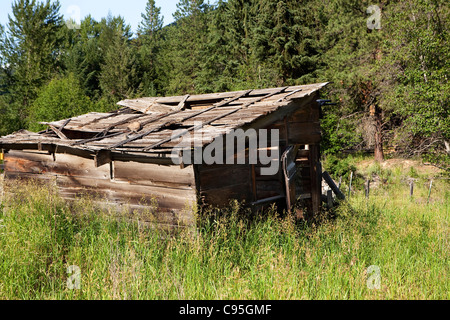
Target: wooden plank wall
x,y
302,127
218,184
130,185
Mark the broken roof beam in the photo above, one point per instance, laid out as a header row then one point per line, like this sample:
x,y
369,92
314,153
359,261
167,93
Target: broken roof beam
x,y
288,95
65,124
58,132
139,136
112,114
97,138
152,105
112,126
105,135
182,103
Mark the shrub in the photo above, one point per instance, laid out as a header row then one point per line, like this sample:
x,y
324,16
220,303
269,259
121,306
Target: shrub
x,y
338,167
61,98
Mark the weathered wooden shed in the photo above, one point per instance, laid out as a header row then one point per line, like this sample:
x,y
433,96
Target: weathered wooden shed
x,y
139,154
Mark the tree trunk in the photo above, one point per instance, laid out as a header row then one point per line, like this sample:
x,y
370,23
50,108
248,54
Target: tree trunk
x,y
379,154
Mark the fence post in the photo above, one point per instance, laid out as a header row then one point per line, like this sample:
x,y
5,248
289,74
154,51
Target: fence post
x,y
367,188
429,192
350,185
411,189
330,199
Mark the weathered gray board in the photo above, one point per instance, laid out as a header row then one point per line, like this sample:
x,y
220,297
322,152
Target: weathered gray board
x,y
124,184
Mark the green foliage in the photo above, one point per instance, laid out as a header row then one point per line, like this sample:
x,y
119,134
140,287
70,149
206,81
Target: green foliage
x,y
148,46
30,49
118,73
391,84
338,132
152,21
10,120
83,56
339,167
181,53
62,98
416,88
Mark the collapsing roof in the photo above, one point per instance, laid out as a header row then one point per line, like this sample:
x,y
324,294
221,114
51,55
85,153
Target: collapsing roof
x,y
147,125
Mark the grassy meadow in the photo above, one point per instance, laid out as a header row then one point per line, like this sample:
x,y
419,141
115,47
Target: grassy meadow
x,y
230,255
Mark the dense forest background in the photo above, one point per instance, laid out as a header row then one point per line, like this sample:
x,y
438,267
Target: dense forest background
x,y
388,67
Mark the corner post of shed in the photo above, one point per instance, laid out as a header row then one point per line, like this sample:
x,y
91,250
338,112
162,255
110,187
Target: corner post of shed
x,y
316,178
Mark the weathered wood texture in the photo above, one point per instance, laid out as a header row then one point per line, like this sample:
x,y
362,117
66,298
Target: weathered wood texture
x,y
168,191
301,127
219,184
316,178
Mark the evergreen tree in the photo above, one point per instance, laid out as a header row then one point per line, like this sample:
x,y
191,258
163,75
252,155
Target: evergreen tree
x,y
31,49
284,41
118,77
227,62
9,120
83,57
148,47
218,66
152,21
184,46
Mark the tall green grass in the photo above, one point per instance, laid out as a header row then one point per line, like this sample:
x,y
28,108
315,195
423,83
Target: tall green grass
x,y
230,255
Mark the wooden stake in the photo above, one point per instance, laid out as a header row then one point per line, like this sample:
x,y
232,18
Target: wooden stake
x,y
367,188
350,185
332,185
330,199
429,192
411,189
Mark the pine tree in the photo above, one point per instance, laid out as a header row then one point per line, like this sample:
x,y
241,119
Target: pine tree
x,y
31,49
284,42
118,78
9,120
2,61
184,46
217,68
227,61
148,47
83,58
152,21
